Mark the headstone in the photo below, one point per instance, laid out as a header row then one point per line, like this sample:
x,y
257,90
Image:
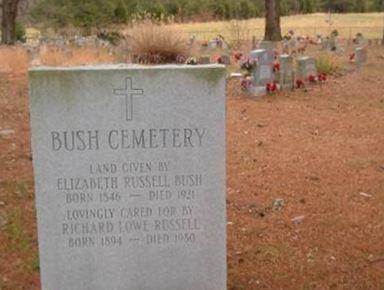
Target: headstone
x,y
269,46
325,44
286,75
333,45
361,41
129,166
264,69
285,46
263,72
306,67
212,44
293,44
361,56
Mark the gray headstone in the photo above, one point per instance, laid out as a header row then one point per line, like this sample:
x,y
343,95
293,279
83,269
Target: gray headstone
x,y
212,44
333,43
286,75
269,46
361,56
306,66
129,166
263,73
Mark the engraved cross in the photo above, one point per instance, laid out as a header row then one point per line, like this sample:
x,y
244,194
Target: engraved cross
x,y
128,92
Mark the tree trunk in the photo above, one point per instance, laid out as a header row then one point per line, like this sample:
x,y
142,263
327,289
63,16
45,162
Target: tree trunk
x,y
272,20
8,21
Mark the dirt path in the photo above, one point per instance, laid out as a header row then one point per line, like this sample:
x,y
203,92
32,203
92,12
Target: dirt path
x,y
321,152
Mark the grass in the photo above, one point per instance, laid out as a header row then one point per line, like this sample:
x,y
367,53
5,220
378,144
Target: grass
x,y
73,56
152,43
370,24
14,230
327,64
13,60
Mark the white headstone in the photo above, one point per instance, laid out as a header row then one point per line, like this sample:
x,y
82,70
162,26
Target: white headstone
x,y
263,72
306,67
129,166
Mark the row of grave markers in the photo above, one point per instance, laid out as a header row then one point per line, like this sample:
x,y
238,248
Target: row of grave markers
x,y
263,72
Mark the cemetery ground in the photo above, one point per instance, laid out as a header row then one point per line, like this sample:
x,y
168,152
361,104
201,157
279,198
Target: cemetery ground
x,y
305,185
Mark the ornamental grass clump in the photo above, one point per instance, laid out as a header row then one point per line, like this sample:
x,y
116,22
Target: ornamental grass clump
x,y
326,64
156,44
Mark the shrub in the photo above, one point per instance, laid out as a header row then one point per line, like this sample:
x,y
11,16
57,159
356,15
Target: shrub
x,y
20,32
113,37
154,44
325,64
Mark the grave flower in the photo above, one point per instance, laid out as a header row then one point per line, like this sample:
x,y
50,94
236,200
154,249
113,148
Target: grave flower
x,y
219,60
238,55
322,77
271,87
248,64
191,61
181,59
276,67
312,78
246,83
300,84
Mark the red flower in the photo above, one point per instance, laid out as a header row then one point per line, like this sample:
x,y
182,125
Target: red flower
x,y
322,77
271,87
276,67
238,55
299,84
245,84
311,78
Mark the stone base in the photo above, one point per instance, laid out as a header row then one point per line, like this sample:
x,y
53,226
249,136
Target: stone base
x,y
258,91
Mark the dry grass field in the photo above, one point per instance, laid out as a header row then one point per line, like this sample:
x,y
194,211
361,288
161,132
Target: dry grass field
x,y
370,24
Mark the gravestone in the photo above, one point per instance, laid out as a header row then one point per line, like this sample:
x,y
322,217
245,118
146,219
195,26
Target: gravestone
x,y
212,44
306,67
325,44
129,166
285,46
269,46
333,43
286,75
263,72
361,56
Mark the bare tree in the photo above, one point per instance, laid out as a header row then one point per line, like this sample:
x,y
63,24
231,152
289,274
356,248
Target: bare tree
x,y
8,21
272,20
